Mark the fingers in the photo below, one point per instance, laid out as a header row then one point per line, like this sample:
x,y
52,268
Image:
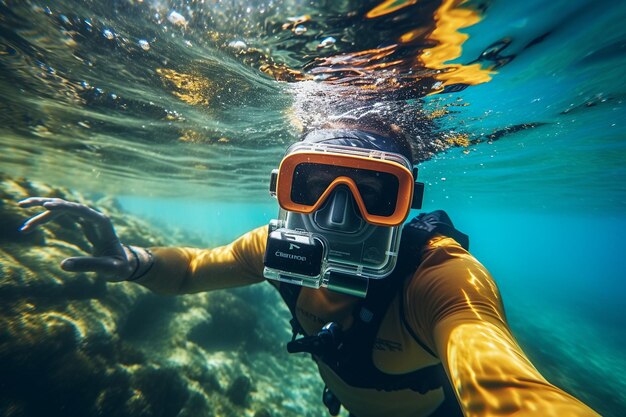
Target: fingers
x,y
75,209
36,201
108,266
32,223
57,204
98,224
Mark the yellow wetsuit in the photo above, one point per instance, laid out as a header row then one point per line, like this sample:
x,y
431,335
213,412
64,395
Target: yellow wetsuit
x,y
451,304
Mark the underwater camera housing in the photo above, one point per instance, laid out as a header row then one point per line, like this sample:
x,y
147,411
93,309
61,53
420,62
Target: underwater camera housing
x,y
297,252
342,263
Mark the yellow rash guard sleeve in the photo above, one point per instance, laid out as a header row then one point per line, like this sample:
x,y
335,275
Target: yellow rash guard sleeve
x,y
189,270
454,306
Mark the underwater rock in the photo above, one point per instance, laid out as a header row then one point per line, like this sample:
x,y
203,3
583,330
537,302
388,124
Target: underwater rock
x,y
196,406
158,308
262,413
232,324
206,379
73,344
163,391
239,390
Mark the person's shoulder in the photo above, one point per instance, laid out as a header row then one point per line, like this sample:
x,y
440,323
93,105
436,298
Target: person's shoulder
x,y
442,248
450,281
447,266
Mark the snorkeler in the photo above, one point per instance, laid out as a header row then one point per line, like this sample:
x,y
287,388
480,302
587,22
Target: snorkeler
x,y
400,320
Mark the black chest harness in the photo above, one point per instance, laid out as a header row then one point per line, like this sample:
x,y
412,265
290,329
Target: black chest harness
x,y
349,353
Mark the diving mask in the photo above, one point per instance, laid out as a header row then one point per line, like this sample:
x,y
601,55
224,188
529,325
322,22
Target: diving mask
x,y
341,212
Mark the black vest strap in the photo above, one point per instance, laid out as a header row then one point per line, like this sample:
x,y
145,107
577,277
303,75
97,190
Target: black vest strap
x,y
289,294
352,361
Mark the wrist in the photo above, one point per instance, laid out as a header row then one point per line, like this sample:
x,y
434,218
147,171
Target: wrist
x,y
141,261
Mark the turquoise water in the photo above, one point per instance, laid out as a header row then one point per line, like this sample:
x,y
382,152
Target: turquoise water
x,y
540,188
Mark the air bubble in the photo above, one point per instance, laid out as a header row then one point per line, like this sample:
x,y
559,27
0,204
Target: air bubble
x,y
176,18
327,43
239,45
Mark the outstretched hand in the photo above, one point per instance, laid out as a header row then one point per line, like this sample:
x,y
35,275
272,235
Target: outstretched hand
x,y
110,259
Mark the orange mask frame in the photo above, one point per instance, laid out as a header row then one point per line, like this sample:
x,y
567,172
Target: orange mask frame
x,y
403,174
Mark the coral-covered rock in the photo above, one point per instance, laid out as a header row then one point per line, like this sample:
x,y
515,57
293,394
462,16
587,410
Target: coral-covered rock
x,y
73,344
239,390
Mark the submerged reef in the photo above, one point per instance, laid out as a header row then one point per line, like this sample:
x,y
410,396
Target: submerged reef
x,y
73,344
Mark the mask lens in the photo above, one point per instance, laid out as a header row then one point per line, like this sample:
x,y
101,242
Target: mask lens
x,y
309,183
379,190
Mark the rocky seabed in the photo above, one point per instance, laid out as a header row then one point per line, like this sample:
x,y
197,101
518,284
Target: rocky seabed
x,y
74,345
